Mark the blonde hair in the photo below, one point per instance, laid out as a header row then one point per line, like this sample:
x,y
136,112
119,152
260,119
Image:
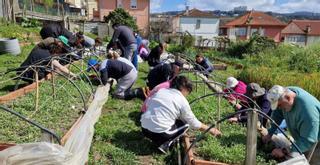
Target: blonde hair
x,y
112,54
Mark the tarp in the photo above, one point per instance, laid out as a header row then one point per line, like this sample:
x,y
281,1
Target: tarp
x,y
74,152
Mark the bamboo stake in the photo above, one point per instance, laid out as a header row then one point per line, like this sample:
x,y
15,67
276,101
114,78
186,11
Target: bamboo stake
x,y
53,84
219,110
37,90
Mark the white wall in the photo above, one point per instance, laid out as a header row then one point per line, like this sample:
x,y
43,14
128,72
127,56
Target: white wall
x,y
209,27
313,39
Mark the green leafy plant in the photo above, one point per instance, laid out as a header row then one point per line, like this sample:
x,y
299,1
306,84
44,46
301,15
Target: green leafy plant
x,y
122,17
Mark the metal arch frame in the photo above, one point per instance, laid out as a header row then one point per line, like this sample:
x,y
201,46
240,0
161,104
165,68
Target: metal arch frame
x,y
224,93
60,74
31,122
231,115
71,81
191,61
86,76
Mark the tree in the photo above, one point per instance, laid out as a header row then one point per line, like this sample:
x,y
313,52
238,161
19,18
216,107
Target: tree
x,y
121,17
48,4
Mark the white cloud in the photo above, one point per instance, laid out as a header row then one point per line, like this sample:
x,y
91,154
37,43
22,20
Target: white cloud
x,y
155,5
263,5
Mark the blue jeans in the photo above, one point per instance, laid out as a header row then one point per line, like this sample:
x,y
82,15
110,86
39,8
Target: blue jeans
x,y
135,59
129,50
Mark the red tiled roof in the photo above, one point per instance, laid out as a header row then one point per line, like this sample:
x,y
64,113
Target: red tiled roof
x,y
313,24
256,18
196,13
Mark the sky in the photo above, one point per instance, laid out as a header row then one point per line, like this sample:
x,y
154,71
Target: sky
x,y
281,6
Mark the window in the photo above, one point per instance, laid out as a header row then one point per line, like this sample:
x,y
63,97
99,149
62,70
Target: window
x,y
133,4
119,4
253,31
198,24
241,31
296,38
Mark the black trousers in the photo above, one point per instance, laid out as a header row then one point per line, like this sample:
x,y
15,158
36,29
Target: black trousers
x,y
160,138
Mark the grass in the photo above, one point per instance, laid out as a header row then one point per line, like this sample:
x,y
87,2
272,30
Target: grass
x,y
118,138
9,62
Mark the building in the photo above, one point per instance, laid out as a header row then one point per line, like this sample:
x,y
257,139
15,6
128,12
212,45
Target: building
x,y
302,32
76,7
139,9
202,25
92,7
254,22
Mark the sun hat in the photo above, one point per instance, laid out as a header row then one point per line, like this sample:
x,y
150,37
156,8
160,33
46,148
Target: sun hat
x,y
64,40
92,62
274,94
254,90
232,82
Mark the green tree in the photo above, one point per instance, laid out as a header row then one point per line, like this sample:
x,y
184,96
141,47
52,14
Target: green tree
x,y
48,4
122,17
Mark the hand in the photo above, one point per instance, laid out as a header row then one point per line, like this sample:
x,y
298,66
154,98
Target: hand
x,y
73,77
215,132
278,153
233,119
266,138
238,106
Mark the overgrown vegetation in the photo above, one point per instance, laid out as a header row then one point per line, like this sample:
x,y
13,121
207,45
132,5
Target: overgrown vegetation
x,y
8,30
121,17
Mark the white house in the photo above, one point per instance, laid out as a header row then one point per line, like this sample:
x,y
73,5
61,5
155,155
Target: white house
x,y
302,32
202,25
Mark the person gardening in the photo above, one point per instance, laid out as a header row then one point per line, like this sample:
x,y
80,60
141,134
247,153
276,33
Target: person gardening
x,y
122,72
259,96
43,57
167,110
203,64
239,101
124,36
163,72
301,111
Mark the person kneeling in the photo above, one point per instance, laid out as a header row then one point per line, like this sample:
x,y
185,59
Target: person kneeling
x,y
167,110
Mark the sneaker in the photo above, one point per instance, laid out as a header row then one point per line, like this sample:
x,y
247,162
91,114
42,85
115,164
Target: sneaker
x,y
164,148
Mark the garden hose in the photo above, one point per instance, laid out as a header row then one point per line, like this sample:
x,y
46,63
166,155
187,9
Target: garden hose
x,y
31,122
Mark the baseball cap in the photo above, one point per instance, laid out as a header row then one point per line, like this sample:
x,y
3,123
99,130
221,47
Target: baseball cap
x,y
274,94
232,82
64,40
254,90
91,63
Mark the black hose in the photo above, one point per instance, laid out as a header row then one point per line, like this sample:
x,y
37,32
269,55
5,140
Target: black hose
x,y
31,122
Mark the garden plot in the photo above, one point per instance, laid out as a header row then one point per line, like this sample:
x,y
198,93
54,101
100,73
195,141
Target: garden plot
x,y
56,105
231,146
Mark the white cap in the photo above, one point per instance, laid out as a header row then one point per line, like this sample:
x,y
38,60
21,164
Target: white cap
x,y
274,94
232,82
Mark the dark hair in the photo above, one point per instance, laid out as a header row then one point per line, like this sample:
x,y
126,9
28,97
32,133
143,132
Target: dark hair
x,y
79,34
54,48
98,40
115,25
180,82
199,55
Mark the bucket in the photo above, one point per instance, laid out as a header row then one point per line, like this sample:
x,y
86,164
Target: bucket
x,y
9,45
